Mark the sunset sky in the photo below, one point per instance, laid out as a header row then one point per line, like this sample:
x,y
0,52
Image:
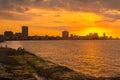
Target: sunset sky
x,y
50,17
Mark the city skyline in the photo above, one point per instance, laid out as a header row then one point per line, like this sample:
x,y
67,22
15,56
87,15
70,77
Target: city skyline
x,y
53,16
59,33
65,35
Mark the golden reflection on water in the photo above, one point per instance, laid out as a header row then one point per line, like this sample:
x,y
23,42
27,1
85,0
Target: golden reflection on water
x,y
91,59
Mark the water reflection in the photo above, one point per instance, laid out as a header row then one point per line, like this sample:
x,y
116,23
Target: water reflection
x,y
12,44
97,58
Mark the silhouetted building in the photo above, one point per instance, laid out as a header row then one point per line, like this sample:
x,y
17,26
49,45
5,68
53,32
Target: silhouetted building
x,y
65,34
8,35
36,37
18,36
57,37
104,37
83,37
25,32
1,38
117,38
71,36
111,37
93,36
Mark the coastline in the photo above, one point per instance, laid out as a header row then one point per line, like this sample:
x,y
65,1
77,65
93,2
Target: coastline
x,y
19,65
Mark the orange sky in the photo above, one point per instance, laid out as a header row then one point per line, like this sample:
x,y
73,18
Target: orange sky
x,y
45,21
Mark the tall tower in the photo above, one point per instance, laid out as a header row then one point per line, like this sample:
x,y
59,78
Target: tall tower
x,y
25,32
104,34
65,34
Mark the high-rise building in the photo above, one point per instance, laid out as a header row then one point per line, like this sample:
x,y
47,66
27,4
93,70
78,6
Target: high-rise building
x,y
25,32
65,34
104,34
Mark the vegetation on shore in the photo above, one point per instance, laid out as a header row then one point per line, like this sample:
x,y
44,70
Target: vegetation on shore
x,y
22,65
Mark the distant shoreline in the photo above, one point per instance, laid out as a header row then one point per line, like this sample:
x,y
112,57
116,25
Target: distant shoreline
x,y
64,40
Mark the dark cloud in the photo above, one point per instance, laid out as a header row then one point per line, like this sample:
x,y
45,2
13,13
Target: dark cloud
x,y
96,6
14,10
12,16
14,5
22,9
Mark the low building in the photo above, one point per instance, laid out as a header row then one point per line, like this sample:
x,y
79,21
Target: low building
x,y
8,35
93,36
18,36
1,38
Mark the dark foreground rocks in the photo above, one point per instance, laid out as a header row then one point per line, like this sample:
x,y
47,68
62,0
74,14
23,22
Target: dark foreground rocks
x,y
15,65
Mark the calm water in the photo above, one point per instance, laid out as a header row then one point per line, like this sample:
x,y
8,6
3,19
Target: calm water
x,y
97,58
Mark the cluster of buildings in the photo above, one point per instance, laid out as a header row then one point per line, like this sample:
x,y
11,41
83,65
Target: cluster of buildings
x,y
90,36
9,35
23,35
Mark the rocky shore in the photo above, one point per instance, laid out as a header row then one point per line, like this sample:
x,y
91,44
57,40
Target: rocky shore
x,y
23,65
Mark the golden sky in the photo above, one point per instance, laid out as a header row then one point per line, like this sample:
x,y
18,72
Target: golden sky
x,y
51,17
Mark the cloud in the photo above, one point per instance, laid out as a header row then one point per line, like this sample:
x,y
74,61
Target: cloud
x,y
57,15
53,27
14,5
97,6
13,16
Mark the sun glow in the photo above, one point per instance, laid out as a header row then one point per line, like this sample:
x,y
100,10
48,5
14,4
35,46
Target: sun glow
x,y
100,31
